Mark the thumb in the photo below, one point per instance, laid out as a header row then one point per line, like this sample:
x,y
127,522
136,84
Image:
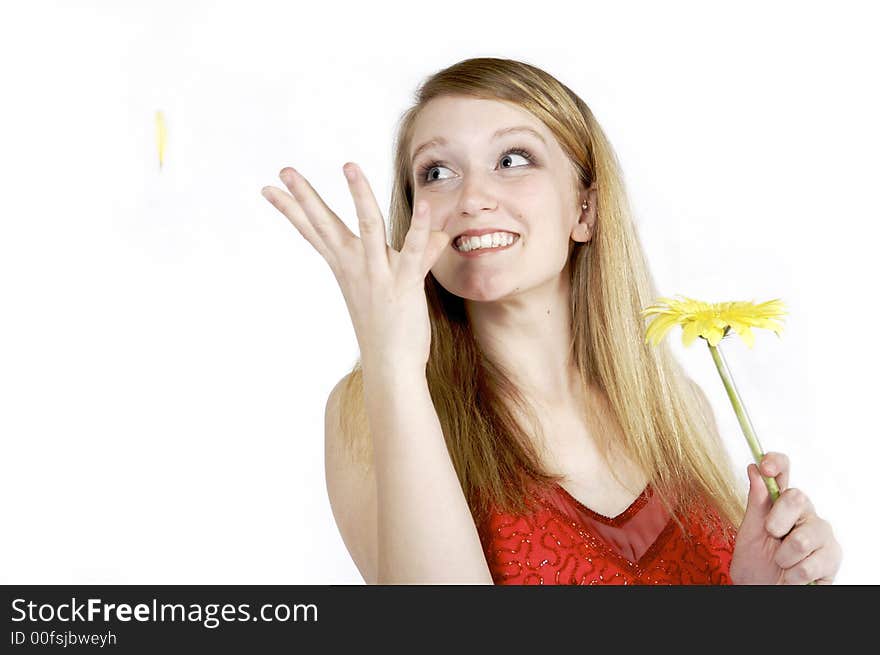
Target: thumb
x,y
437,242
759,500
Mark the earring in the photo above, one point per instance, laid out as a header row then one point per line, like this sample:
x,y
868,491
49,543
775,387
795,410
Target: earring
x,y
584,205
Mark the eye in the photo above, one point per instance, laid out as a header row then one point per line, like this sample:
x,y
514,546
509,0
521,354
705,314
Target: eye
x,y
519,152
425,169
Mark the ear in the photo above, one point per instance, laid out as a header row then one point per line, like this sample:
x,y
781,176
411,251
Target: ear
x,y
585,227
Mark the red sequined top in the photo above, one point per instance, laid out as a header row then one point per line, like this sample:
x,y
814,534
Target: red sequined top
x,y
565,542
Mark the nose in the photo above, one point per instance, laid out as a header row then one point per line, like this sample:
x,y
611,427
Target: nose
x,y
476,195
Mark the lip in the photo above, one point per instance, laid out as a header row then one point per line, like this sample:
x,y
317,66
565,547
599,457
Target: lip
x,y
486,251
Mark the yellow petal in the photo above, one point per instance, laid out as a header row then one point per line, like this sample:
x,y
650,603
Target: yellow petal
x,y
658,328
715,335
691,331
745,333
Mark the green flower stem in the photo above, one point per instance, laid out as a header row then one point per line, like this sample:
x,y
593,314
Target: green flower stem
x,y
742,415
744,422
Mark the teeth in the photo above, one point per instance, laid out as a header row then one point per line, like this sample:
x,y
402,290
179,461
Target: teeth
x,y
493,240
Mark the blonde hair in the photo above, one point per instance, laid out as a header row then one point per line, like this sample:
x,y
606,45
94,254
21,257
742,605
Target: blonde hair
x,y
668,427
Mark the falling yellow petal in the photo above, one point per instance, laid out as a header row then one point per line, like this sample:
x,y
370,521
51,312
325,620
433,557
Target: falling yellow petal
x,y
712,321
161,136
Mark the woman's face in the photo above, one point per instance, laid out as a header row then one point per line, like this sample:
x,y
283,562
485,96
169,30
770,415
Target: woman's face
x,y
516,181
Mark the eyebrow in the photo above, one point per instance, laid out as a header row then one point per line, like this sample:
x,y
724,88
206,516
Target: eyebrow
x,y
440,141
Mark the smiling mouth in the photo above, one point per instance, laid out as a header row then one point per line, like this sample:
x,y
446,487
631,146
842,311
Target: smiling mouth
x,y
485,250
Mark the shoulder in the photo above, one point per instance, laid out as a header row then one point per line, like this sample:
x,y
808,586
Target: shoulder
x,y
351,484
346,429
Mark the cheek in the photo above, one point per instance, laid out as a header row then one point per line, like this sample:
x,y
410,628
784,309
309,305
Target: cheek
x,y
547,248
546,234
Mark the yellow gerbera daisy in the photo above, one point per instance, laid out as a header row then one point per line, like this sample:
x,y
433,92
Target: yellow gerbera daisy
x,y
712,321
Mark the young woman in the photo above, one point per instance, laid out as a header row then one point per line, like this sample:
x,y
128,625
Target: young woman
x,y
506,421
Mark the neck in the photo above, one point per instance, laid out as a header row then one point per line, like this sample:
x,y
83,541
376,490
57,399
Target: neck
x,y
529,335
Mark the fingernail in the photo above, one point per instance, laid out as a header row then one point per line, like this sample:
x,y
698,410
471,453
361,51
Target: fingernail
x,y
349,171
265,192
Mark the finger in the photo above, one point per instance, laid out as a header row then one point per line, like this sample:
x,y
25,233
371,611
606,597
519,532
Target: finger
x,y
287,205
438,241
834,556
778,466
414,244
818,566
793,507
328,226
801,542
371,225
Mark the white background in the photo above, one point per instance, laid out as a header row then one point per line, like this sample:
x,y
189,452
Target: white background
x,y
168,339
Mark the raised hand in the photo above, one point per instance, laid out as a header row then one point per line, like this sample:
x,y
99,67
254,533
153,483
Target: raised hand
x,y
383,289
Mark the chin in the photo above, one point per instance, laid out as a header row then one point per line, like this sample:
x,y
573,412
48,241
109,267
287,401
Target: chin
x,y
482,291
484,285
482,297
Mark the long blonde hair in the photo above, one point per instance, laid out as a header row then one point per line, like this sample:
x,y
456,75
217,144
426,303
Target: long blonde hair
x,y
668,428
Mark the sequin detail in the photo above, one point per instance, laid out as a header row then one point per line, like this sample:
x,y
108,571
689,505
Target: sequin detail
x,y
565,542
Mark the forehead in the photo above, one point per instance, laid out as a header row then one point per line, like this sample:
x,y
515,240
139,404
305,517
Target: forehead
x,y
463,119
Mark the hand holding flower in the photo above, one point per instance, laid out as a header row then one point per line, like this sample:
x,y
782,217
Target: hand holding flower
x,y
781,539
782,542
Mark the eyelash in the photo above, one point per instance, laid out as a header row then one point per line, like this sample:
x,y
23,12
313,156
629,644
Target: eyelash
x,y
423,170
